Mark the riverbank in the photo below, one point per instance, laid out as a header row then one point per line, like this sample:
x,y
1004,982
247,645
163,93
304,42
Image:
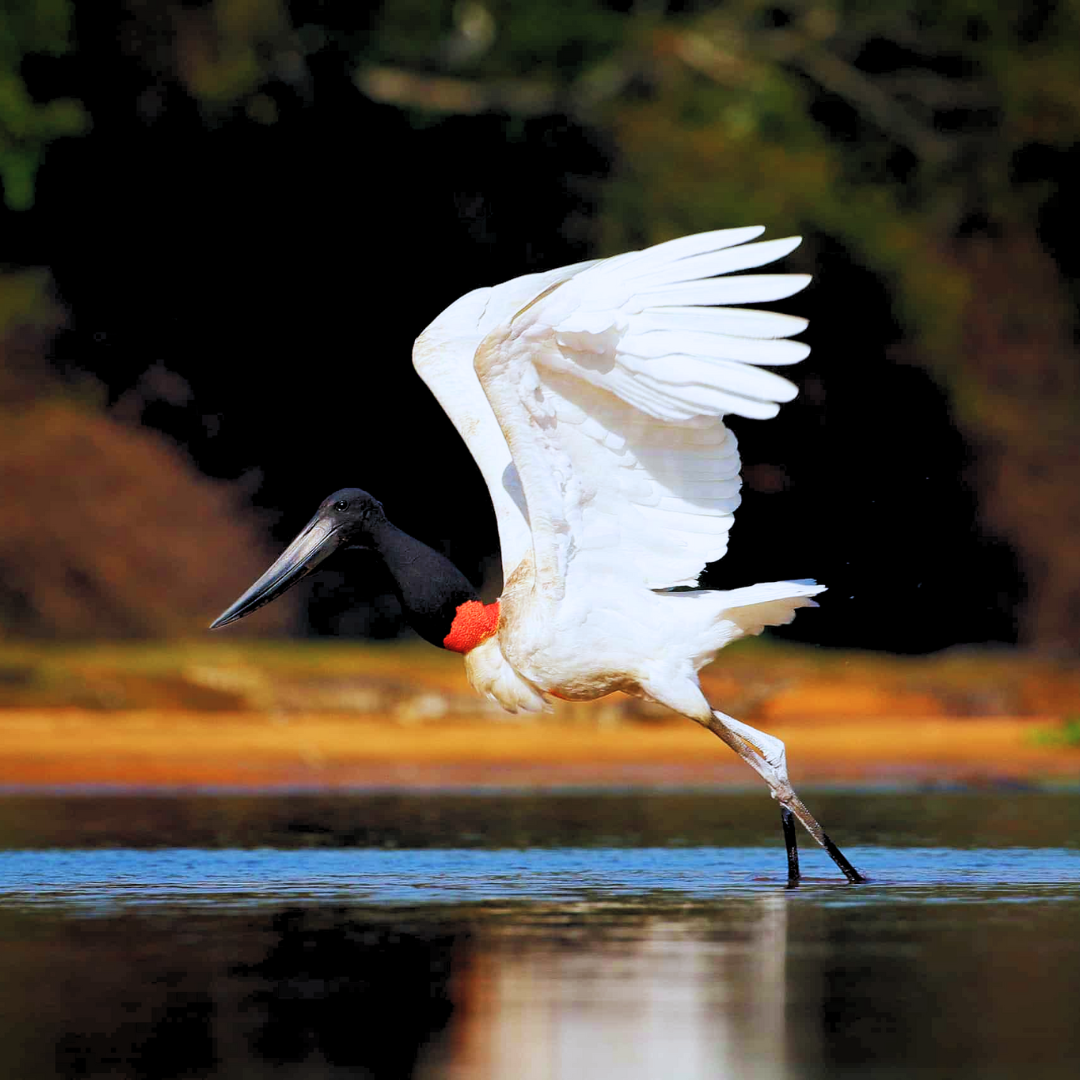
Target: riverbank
x,y
339,716
147,749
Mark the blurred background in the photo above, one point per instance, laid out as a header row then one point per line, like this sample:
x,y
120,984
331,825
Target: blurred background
x,y
224,223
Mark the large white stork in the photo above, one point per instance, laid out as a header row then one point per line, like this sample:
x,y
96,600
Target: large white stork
x,y
592,397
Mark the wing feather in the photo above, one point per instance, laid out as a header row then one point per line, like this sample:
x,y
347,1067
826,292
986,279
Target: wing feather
x,y
609,389
751,288
680,248
443,358
654,344
710,263
730,322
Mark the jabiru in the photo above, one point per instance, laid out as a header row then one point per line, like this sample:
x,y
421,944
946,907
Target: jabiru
x,y
593,399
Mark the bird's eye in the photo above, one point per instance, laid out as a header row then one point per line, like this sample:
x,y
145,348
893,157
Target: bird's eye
x,y
340,505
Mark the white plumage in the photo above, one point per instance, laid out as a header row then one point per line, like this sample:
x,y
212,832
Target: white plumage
x,y
592,398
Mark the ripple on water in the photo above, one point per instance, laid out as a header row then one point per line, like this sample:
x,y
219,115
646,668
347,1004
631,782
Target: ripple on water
x,y
238,877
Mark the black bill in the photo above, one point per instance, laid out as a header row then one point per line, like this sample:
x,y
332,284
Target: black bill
x,y
310,548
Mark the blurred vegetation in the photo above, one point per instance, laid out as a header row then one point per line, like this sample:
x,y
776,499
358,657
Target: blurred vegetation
x,y
1065,734
107,529
130,541
929,143
918,138
411,683
222,53
28,126
230,675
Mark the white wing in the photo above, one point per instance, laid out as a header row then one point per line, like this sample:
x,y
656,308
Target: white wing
x,y
608,383
443,357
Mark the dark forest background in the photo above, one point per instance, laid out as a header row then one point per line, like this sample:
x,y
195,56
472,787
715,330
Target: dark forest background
x,y
224,223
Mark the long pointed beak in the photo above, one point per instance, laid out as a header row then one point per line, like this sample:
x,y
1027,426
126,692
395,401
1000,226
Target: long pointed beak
x,y
318,540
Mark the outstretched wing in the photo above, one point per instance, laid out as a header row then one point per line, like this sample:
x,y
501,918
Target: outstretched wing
x,y
443,357
609,385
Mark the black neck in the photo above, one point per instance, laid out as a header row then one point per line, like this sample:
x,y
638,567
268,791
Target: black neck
x,y
429,586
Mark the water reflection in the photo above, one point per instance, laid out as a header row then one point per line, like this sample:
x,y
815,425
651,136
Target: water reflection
x,y
659,998
1021,818
362,995
778,984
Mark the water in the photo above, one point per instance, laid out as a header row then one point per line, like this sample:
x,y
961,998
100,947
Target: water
x,y
111,878
489,937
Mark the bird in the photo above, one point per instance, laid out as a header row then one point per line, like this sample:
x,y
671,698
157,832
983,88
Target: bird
x,y
593,399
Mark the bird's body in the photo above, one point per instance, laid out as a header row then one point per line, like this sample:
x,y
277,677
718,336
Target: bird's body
x,y
592,398
637,644
613,479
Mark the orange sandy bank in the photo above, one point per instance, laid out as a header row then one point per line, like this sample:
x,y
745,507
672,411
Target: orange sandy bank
x,y
147,748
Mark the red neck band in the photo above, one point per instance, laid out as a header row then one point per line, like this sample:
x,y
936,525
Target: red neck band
x,y
473,624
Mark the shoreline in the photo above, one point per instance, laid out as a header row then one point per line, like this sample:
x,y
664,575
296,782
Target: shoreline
x,y
68,749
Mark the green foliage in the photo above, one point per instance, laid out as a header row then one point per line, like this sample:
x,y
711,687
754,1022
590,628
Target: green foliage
x,y
409,32
896,131
27,127
26,300
556,40
223,53
29,316
886,127
1066,734
226,52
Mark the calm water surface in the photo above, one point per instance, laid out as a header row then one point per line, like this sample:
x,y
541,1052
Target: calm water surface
x,y
576,936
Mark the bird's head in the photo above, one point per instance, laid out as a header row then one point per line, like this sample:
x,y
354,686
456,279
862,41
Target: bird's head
x,y
343,520
350,514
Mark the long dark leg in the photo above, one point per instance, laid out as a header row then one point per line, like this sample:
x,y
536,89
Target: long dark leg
x,y
837,856
765,754
791,842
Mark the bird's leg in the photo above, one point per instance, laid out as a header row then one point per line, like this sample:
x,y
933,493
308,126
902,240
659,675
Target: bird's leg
x,y
791,842
766,755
